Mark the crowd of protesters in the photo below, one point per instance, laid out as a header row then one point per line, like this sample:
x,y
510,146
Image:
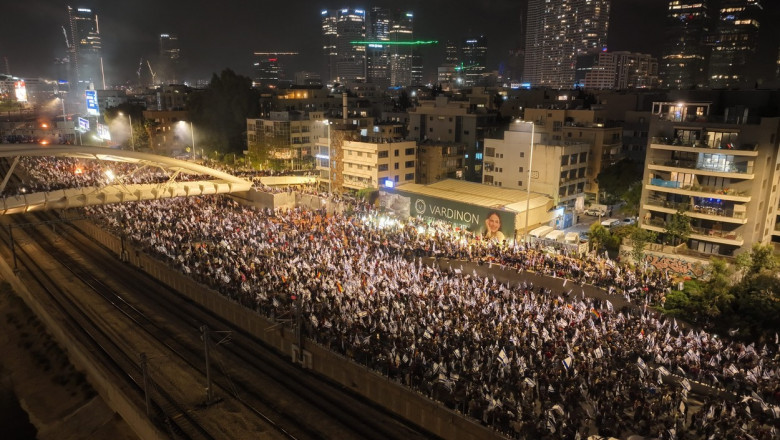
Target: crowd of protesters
x,y
526,360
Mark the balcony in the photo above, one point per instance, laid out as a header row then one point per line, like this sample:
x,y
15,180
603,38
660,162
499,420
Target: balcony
x,y
731,147
706,234
735,215
674,187
740,170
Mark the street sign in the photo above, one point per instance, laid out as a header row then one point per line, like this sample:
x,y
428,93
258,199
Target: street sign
x,y
92,103
83,125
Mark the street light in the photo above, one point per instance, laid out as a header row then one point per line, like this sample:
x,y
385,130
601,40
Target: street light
x,y
192,136
132,140
528,188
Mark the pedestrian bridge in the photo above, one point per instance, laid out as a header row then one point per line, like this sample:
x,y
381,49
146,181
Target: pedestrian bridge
x,y
117,190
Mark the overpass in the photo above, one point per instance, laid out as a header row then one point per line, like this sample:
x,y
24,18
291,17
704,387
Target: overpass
x,y
216,182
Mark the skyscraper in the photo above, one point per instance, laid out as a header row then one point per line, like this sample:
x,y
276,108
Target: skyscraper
x,y
734,43
401,31
170,54
346,61
557,32
684,61
378,53
473,57
85,49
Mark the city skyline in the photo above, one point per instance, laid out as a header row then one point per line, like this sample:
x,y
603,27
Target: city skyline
x,y
33,38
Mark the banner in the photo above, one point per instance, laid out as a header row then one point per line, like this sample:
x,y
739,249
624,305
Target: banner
x,y
490,223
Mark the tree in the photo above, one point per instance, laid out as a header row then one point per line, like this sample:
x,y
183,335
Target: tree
x,y
599,236
220,111
632,197
760,258
617,179
639,238
678,228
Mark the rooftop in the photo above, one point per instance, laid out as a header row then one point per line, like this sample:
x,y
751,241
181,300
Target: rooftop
x,y
478,194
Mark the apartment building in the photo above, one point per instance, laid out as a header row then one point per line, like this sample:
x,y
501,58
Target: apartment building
x,y
352,158
719,170
582,126
555,169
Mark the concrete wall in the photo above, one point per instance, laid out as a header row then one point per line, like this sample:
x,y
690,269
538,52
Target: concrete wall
x,y
408,404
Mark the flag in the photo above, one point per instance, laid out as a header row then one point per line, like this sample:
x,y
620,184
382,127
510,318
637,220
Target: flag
x,y
685,384
567,362
502,357
609,305
530,382
641,363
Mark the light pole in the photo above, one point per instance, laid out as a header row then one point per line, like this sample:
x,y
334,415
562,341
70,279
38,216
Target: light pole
x,y
132,139
192,135
320,156
528,188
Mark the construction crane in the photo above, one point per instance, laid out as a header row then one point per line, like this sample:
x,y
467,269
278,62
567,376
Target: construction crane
x,y
154,75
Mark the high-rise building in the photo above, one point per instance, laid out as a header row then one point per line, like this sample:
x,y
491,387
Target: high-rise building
x,y
85,49
684,60
622,70
401,31
557,32
734,43
170,54
473,60
346,61
269,69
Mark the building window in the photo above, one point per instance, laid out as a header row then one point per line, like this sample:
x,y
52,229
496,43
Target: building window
x,y
409,176
519,183
397,153
490,152
583,157
564,160
382,154
410,151
382,167
522,154
396,166
520,170
488,178
409,164
466,132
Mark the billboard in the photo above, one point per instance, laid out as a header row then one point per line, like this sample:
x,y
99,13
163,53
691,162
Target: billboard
x,y
20,89
489,223
102,131
83,125
92,103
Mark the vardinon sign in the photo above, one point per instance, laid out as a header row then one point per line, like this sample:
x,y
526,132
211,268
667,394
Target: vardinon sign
x,y
491,223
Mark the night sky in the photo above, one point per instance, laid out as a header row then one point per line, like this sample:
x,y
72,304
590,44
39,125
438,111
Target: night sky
x,y
216,35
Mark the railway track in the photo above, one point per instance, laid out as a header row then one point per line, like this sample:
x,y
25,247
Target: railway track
x,y
287,400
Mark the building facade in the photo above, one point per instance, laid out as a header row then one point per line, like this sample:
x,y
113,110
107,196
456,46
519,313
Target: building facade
x,y
85,50
555,169
735,43
685,55
622,70
557,33
169,60
346,61
721,171
454,122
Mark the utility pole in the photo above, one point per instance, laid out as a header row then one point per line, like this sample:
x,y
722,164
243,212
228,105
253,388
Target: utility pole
x,y
206,335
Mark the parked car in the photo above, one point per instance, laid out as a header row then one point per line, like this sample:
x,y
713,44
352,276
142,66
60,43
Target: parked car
x,y
595,212
628,221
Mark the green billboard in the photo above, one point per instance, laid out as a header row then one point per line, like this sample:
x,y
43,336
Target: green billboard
x,y
490,223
